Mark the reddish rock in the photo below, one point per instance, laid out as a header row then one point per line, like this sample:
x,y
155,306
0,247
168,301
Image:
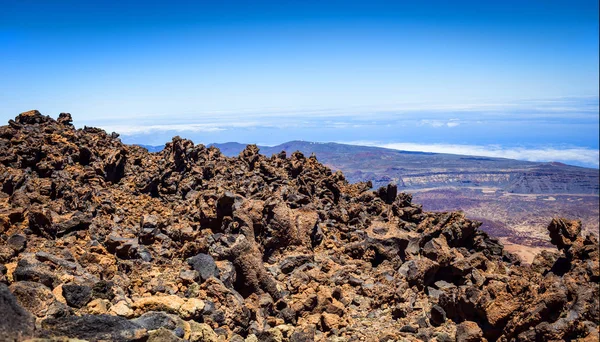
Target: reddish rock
x,y
274,248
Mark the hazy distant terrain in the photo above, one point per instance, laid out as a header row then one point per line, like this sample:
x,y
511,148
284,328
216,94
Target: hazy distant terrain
x,y
514,199
417,170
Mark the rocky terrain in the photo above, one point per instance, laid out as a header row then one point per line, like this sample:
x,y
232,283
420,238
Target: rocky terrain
x,y
424,170
105,241
513,198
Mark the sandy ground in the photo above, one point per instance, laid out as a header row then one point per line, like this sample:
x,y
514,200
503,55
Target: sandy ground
x,y
526,253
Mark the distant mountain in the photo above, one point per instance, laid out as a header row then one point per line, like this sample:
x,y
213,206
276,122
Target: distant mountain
x,y
152,148
422,170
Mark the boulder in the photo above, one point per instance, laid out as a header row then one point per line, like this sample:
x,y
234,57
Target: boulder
x,y
29,269
437,315
77,295
468,331
202,332
205,265
17,242
34,297
16,324
170,303
419,272
563,232
95,328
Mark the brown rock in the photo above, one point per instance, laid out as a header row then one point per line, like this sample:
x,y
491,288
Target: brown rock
x,y
330,321
170,303
468,332
282,248
201,332
34,297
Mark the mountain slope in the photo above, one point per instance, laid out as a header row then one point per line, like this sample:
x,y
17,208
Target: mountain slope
x,y
417,170
513,198
105,241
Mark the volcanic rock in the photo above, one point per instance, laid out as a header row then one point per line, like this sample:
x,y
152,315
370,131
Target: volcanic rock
x,y
16,323
205,265
94,328
76,295
106,241
468,332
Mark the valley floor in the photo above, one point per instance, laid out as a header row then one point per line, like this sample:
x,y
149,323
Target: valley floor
x,y
519,220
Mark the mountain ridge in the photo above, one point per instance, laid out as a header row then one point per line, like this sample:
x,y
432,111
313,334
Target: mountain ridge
x,y
410,169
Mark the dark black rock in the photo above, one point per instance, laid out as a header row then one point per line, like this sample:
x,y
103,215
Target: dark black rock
x,y
103,289
179,332
354,281
16,323
77,295
114,169
423,335
218,316
65,119
79,221
316,235
17,242
268,336
40,223
3,274
288,315
62,262
423,322
205,265
437,315
149,228
95,327
399,312
124,248
32,117
388,194
227,203
36,272
292,262
155,320
409,329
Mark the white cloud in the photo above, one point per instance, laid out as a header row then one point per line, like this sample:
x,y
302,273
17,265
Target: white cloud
x,y
582,155
439,123
137,129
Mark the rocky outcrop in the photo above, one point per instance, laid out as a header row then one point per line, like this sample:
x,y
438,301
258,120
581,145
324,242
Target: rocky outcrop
x,y
104,241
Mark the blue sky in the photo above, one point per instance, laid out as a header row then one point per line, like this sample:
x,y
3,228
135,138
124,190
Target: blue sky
x,y
512,77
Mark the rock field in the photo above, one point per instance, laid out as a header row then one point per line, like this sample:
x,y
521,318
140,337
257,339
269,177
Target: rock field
x,y
105,241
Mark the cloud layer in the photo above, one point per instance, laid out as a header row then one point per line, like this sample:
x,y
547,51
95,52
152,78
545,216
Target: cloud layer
x,y
562,129
580,155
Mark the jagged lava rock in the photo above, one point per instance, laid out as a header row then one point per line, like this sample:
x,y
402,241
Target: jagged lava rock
x,y
105,241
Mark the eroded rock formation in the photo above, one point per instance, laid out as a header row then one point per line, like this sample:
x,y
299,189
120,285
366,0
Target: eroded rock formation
x,y
105,241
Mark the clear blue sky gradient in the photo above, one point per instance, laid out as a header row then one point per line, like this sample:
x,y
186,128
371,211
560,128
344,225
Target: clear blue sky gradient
x,y
121,64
